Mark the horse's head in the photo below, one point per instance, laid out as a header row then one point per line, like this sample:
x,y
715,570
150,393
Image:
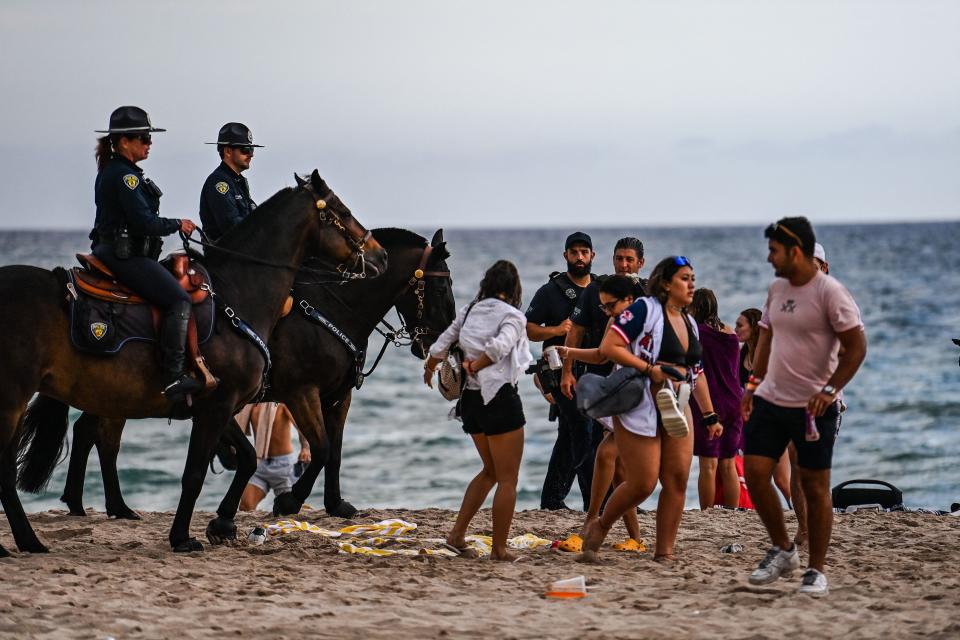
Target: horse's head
x,y
339,236
427,306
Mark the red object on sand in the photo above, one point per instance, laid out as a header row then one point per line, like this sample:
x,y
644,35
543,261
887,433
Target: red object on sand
x,y
745,501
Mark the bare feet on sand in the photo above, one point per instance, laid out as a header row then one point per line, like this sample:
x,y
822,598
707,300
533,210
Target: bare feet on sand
x,y
593,535
503,556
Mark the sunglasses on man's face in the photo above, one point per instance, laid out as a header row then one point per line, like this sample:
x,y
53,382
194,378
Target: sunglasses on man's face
x,y
246,150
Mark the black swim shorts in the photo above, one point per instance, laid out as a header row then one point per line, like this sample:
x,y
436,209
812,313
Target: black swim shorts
x,y
503,414
771,427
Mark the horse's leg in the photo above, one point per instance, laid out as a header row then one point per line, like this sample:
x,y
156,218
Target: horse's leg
x,y
308,415
208,426
108,449
335,418
23,533
85,434
222,527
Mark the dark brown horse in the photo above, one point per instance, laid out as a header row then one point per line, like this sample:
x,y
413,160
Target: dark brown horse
x,y
252,273
318,390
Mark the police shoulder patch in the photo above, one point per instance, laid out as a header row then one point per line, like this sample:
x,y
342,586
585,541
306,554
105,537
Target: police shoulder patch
x,y
131,181
222,187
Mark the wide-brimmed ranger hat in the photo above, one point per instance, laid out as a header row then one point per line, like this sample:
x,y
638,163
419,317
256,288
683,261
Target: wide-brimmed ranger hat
x,y
130,120
235,134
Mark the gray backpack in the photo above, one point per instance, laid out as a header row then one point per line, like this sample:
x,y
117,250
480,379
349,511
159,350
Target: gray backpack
x,y
615,394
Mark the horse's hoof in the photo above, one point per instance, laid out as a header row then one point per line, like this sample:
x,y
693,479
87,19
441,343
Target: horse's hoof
x,y
3,552
125,513
343,510
34,546
76,508
286,504
188,546
219,530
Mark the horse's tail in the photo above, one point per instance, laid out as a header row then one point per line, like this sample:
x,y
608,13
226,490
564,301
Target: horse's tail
x,y
40,442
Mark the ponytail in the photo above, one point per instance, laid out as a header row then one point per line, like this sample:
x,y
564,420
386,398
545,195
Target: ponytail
x,y
105,147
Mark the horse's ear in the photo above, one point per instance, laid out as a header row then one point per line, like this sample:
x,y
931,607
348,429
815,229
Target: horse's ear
x,y
318,184
301,182
440,251
437,238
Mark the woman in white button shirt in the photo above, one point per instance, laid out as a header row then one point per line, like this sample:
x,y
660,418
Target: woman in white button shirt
x,y
492,333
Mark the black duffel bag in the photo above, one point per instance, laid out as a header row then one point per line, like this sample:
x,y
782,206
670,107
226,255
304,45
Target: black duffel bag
x,y
603,396
877,492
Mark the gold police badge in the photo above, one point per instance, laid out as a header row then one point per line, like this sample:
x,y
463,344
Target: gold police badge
x,y
131,180
98,329
222,187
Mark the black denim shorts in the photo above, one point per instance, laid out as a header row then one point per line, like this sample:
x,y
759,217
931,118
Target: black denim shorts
x,y
503,414
771,427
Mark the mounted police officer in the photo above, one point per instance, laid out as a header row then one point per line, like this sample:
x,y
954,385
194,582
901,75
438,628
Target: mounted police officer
x,y
225,198
548,320
127,235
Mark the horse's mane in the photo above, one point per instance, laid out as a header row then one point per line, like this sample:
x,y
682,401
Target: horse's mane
x,y
265,209
390,236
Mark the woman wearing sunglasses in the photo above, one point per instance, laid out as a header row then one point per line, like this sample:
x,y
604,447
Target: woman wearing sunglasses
x,y
127,235
616,294
656,336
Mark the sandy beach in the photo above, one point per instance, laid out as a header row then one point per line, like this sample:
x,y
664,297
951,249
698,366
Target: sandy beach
x,y
892,575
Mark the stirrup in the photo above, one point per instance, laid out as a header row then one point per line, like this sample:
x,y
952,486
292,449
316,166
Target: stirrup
x,y
183,385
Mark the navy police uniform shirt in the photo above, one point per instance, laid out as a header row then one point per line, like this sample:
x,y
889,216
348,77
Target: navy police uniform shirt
x,y
553,303
588,315
125,198
224,201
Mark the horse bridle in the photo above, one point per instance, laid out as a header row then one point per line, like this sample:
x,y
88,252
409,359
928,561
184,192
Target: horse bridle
x,y
418,284
347,268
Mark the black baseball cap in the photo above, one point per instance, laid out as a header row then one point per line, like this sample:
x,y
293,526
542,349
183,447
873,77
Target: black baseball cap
x,y
578,237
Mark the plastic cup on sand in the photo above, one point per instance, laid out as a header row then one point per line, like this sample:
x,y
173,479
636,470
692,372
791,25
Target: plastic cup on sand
x,y
569,588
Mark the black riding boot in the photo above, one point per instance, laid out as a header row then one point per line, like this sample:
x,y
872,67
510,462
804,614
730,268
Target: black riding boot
x,y
173,337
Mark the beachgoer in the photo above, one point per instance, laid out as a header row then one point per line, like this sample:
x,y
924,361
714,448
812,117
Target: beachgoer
x,y
615,294
797,373
656,336
548,321
491,331
271,424
127,236
721,351
820,258
225,198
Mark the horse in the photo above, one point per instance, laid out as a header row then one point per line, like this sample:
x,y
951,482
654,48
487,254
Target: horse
x,y
317,390
251,272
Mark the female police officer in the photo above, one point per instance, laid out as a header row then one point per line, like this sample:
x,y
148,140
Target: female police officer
x,y
127,235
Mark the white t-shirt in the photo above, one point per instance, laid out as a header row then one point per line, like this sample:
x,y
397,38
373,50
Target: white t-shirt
x,y
805,321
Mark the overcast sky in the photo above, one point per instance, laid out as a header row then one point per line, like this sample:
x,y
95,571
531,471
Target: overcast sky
x,y
465,113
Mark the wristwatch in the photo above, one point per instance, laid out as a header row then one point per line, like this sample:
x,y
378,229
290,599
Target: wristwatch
x,y
829,389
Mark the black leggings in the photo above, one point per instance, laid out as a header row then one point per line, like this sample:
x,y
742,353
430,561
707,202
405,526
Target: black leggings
x,y
145,276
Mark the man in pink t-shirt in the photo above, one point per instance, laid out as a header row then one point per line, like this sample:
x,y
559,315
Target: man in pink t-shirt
x,y
792,395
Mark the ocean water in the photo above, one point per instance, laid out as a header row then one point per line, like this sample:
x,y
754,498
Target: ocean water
x,y
401,451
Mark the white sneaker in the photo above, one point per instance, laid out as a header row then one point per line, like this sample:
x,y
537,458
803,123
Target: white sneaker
x,y
674,422
814,583
778,562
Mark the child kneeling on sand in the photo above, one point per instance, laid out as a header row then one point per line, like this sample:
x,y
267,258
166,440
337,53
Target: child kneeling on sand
x,y
492,333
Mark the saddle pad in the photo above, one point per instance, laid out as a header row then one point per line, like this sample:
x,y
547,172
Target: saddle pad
x,y
102,327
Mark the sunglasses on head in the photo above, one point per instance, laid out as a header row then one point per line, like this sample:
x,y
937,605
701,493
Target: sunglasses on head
x,y
681,261
779,227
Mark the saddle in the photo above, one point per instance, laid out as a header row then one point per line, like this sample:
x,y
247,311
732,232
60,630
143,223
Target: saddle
x,y
94,282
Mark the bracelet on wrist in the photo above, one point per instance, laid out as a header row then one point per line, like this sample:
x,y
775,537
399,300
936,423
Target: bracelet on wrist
x,y
754,380
710,419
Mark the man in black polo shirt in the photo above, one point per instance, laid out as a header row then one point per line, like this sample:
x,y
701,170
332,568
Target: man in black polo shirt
x,y
548,320
225,198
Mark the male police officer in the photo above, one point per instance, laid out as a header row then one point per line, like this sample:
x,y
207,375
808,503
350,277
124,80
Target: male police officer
x,y
225,197
548,320
590,322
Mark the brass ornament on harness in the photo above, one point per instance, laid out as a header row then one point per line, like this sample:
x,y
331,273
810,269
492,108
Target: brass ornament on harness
x,y
321,204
